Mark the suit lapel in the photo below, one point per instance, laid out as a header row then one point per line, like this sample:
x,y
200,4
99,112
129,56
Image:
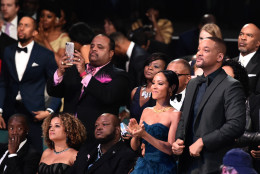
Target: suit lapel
x,y
217,80
12,65
252,63
104,158
104,70
189,96
30,61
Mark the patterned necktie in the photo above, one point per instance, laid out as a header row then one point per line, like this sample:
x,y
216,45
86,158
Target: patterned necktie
x,y
7,28
91,69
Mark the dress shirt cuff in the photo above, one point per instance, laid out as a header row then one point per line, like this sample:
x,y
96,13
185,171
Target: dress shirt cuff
x,y
56,78
12,155
1,110
86,80
50,110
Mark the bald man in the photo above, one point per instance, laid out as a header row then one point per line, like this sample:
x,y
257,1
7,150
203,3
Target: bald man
x,y
248,44
183,70
110,155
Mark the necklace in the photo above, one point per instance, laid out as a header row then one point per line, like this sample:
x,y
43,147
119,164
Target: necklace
x,y
145,94
164,109
61,151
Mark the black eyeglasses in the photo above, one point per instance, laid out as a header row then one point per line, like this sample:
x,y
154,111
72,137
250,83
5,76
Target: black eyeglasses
x,y
182,74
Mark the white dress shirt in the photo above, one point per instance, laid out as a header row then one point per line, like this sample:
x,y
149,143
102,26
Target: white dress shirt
x,y
245,59
21,61
129,54
177,105
12,28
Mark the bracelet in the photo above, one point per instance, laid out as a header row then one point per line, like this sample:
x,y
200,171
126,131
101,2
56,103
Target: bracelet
x,y
83,74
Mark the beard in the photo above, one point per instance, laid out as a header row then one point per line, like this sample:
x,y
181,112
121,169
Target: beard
x,y
108,138
23,40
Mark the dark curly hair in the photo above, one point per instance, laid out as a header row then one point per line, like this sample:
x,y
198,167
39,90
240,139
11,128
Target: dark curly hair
x,y
240,73
74,129
172,79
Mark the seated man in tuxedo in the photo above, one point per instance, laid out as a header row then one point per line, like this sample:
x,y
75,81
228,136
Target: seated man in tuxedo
x,y
183,70
91,89
249,57
111,155
18,156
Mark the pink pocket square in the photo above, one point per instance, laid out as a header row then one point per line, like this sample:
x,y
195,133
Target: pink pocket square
x,y
104,78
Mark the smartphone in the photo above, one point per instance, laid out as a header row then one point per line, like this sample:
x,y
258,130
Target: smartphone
x,y
69,50
123,128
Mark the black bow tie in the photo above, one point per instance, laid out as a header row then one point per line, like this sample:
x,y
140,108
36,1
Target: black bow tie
x,y
21,49
178,97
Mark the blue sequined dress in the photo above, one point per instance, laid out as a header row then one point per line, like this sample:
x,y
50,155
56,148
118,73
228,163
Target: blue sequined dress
x,y
155,161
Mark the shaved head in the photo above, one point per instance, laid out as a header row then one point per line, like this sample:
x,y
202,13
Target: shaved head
x,y
248,39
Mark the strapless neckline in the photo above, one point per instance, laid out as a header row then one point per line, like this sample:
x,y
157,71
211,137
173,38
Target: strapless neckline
x,y
155,124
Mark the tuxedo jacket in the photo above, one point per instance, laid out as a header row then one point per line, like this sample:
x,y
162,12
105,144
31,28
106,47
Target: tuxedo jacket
x,y
253,70
26,161
97,98
136,65
119,159
219,121
40,67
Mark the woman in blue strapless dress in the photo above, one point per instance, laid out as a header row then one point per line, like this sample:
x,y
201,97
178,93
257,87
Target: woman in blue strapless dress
x,y
63,134
141,96
157,128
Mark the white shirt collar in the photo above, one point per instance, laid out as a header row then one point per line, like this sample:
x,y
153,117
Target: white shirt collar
x,y
21,144
130,49
29,46
245,59
14,21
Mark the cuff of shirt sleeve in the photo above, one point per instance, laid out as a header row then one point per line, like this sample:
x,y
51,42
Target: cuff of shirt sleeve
x,y
56,78
86,80
12,155
50,110
1,110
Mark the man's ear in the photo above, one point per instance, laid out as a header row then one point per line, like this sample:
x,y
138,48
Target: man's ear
x,y
111,54
220,57
35,32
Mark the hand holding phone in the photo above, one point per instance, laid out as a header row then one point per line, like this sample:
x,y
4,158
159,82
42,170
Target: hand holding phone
x,y
69,52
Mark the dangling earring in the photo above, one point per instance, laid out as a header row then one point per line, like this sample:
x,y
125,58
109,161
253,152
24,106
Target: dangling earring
x,y
170,93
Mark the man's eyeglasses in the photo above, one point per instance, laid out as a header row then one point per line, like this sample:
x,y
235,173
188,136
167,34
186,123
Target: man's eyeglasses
x,y
182,74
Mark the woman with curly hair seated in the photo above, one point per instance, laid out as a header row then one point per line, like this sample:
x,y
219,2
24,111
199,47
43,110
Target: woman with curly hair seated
x,y
63,133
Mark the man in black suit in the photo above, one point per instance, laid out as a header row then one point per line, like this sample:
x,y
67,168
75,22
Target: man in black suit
x,y
18,156
213,113
111,155
91,89
183,70
25,70
5,40
248,45
136,57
